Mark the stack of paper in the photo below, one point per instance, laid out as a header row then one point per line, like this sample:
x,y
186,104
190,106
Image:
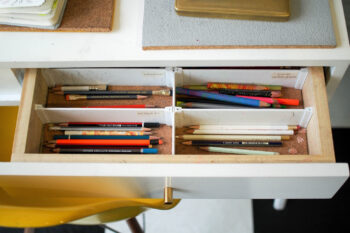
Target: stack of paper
x,y
45,14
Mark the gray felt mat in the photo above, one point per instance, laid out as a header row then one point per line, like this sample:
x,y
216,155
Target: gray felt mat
x,y
310,25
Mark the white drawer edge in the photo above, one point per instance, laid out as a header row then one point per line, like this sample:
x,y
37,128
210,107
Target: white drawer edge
x,y
174,170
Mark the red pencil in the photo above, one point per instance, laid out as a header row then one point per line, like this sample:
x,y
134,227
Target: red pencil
x,y
294,102
106,142
124,106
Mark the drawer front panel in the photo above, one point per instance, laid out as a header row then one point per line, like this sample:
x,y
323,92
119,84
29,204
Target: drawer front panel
x,y
188,180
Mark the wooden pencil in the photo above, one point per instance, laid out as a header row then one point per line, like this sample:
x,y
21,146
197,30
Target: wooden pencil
x,y
102,97
98,128
103,137
106,142
111,124
80,88
165,92
237,151
294,102
260,127
232,143
224,98
240,131
213,85
105,151
124,106
261,93
101,132
233,137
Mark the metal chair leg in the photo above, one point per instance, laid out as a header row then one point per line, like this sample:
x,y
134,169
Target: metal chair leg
x,y
134,225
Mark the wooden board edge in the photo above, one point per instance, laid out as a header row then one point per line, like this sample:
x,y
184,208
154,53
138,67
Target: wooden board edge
x,y
316,96
24,111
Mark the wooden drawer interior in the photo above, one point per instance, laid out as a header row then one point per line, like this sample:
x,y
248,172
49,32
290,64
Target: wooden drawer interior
x,y
35,112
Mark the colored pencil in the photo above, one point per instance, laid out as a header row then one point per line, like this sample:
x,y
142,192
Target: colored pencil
x,y
212,85
196,87
165,92
105,151
106,142
55,137
294,102
112,124
80,88
98,128
208,105
240,131
261,93
237,151
221,97
200,100
260,127
124,106
101,132
233,137
53,145
231,143
102,97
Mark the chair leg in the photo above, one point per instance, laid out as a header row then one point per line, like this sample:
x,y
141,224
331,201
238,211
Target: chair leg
x,y
279,204
29,230
134,225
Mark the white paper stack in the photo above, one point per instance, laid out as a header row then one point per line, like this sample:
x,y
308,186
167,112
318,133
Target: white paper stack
x,y
46,14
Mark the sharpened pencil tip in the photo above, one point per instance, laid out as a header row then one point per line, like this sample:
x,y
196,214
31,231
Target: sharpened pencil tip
x,y
142,96
188,143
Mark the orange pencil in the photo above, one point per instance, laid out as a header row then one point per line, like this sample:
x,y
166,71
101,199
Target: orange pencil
x,y
294,102
106,142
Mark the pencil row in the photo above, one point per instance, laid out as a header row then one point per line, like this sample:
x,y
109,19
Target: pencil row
x,y
104,138
226,138
231,95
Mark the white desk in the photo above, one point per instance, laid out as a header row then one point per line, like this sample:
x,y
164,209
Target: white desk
x,y
123,48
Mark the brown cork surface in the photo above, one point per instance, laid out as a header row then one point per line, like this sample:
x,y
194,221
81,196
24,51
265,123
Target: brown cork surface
x,y
287,93
79,16
164,131
297,145
54,100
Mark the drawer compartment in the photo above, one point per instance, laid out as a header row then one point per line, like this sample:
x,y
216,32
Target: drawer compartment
x,y
313,115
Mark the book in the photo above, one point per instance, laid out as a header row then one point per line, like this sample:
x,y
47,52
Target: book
x,y
20,3
45,8
51,20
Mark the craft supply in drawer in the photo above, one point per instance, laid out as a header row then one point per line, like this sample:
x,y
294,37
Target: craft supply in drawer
x,y
110,96
60,138
251,143
220,95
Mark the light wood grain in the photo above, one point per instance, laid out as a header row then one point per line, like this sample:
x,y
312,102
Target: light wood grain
x,y
319,129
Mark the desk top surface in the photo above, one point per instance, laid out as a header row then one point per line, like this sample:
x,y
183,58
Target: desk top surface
x,y
123,47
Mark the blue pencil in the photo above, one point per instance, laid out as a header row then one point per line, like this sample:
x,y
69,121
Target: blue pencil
x,y
56,137
222,97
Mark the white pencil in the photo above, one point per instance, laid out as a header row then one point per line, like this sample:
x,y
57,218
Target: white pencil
x,y
233,137
261,127
237,151
240,131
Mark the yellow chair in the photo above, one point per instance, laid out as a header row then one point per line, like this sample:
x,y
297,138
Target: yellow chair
x,y
24,207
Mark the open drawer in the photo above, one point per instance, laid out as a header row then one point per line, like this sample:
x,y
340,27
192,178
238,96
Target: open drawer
x,y
311,175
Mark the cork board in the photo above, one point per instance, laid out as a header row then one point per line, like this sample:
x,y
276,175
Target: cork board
x,y
310,26
79,16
